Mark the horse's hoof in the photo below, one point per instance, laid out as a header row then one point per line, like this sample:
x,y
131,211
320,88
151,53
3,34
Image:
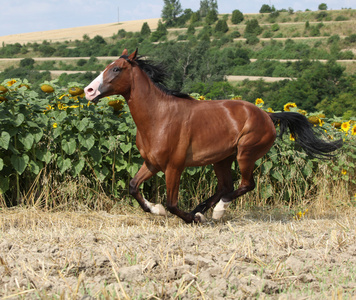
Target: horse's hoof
x,y
218,214
219,210
199,218
158,209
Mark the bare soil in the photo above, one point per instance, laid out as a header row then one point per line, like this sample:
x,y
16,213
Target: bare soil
x,y
249,255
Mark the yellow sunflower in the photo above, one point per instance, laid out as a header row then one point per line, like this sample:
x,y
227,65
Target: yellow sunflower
x,y
353,130
289,105
11,82
259,101
345,126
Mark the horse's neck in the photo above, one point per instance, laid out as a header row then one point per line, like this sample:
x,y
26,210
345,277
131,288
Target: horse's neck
x,y
146,102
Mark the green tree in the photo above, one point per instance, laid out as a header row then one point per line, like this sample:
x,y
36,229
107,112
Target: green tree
x,y
171,10
195,17
265,8
252,27
208,5
27,63
322,6
211,17
145,29
221,26
160,32
191,29
237,17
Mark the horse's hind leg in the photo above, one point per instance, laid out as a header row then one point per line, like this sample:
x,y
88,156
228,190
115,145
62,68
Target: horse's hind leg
x,y
246,163
143,174
225,185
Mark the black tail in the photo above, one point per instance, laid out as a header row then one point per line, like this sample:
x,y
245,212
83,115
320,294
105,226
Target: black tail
x,y
304,134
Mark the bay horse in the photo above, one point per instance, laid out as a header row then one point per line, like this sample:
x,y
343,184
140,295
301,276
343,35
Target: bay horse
x,y
175,131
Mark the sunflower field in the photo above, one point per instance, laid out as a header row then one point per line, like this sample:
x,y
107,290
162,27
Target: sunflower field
x,y
57,150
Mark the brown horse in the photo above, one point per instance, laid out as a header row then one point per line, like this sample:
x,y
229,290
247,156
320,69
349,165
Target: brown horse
x,y
175,131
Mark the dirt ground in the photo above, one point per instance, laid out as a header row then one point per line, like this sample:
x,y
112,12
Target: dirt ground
x,y
92,255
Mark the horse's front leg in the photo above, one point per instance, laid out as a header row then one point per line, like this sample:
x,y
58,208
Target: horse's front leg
x,y
146,172
172,183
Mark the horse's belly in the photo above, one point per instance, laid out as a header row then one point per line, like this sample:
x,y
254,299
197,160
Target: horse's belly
x,y
209,155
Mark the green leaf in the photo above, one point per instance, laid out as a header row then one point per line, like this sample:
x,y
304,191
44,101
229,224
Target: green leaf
x,y
133,169
63,164
43,155
277,175
101,172
19,120
78,167
1,164
267,166
83,124
4,184
96,154
61,116
87,141
308,170
123,127
70,146
19,162
35,166
27,140
125,147
37,134
5,140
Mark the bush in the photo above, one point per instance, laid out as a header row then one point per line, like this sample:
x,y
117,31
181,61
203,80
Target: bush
x,y
237,17
351,39
252,27
211,17
275,27
145,30
235,34
265,8
221,26
27,63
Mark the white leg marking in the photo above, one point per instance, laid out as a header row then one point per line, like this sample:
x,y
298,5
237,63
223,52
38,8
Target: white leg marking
x,y
156,209
219,209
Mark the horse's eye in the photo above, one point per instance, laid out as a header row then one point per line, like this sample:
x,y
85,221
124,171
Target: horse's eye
x,y
116,69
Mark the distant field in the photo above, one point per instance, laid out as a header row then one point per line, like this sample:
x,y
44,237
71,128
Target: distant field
x,y
61,35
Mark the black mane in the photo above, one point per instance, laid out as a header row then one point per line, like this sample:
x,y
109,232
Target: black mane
x,y
157,73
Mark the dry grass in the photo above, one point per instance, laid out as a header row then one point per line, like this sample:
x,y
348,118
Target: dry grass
x,y
71,34
131,255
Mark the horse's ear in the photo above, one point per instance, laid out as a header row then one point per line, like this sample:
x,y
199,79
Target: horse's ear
x,y
124,52
133,55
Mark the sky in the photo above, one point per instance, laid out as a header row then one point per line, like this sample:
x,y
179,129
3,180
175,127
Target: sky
x,y
22,16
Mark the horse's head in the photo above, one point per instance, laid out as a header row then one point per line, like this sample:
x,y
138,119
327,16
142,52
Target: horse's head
x,y
113,80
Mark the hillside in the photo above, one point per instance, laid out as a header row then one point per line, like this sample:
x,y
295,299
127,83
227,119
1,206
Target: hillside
x,y
71,34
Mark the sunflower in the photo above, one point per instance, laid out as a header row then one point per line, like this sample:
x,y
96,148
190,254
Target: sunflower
x,y
201,98
289,105
291,137
345,126
259,101
11,82
353,130
270,110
